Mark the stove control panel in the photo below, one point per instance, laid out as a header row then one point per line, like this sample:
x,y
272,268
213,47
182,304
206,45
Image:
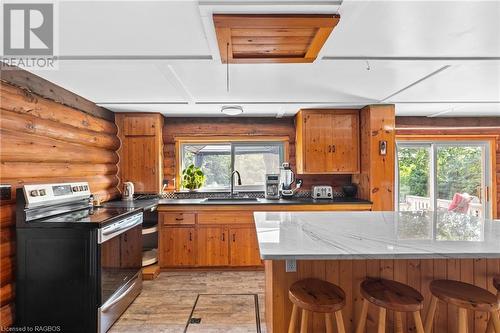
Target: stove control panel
x,y
45,194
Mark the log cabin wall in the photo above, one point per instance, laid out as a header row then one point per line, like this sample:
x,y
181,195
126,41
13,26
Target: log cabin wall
x,y
226,127
489,126
45,141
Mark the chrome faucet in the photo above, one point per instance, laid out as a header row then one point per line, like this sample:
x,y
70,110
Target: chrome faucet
x,y
232,181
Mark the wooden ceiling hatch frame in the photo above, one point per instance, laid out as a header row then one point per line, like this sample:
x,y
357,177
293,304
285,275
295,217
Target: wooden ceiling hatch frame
x,y
272,38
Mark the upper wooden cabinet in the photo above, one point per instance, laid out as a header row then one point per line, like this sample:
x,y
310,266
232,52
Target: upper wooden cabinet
x,y
327,141
141,157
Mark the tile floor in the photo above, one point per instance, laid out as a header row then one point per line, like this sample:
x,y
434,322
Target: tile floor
x,y
225,304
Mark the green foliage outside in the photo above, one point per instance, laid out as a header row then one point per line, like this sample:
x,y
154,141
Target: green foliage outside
x,y
192,178
459,170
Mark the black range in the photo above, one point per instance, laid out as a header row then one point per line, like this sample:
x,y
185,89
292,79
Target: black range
x,y
78,267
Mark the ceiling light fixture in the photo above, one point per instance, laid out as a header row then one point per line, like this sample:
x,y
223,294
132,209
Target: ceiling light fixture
x,y
231,110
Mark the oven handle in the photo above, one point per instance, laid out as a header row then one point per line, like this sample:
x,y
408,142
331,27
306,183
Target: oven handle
x,y
106,307
110,232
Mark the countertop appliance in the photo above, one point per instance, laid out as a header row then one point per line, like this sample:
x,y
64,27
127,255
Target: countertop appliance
x,y
272,186
78,266
322,192
287,179
128,191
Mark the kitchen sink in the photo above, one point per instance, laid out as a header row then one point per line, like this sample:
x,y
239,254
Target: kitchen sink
x,y
234,199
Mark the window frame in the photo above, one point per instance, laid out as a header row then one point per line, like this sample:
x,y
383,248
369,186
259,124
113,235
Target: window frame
x,y
281,142
434,142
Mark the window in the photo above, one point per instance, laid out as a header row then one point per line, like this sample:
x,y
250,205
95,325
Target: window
x,y
253,160
442,175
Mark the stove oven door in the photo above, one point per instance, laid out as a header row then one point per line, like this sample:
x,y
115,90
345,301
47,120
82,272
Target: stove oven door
x,y
120,266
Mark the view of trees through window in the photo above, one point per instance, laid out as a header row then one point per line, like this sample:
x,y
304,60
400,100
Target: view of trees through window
x,y
252,160
459,176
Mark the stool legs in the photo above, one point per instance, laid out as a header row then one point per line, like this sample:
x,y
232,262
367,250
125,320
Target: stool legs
x,y
382,320
418,322
329,322
362,317
429,318
304,321
382,314
462,320
293,319
340,322
399,322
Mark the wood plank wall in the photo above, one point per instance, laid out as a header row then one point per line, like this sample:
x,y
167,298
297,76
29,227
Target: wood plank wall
x,y
220,127
45,141
348,274
455,126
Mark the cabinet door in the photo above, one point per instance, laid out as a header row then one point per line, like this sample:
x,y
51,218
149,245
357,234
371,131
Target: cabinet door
x,y
344,145
212,249
244,248
140,125
317,138
140,161
177,247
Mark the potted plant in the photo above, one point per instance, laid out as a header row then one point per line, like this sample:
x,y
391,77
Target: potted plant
x,y
192,178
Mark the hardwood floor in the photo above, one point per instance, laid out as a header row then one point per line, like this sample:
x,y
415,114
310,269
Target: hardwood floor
x,y
165,304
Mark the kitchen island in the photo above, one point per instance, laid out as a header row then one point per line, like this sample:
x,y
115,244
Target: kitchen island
x,y
345,247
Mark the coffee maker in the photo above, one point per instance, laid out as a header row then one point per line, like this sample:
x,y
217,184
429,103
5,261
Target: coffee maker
x,y
287,179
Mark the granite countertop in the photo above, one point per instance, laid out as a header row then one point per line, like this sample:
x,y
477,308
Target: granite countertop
x,y
375,235
262,201
143,204
146,204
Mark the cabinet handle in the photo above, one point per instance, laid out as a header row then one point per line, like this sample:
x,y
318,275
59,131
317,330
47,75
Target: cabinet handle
x,y
223,237
329,148
153,170
333,148
234,237
190,236
179,218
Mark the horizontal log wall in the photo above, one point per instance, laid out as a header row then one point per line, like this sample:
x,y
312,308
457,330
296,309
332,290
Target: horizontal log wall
x,y
220,127
348,274
456,126
45,141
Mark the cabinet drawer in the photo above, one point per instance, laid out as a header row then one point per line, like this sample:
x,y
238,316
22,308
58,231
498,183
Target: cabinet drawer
x,y
177,218
225,217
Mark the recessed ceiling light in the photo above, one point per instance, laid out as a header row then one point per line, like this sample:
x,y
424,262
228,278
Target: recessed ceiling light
x,y
232,110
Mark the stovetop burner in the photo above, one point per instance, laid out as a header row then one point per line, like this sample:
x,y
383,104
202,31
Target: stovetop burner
x,y
89,215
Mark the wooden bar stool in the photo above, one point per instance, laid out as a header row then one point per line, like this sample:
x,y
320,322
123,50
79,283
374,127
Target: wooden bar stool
x,y
390,295
314,295
496,284
465,296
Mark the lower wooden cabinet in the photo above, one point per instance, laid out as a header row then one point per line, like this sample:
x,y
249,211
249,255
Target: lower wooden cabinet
x,y
177,247
243,247
212,249
207,239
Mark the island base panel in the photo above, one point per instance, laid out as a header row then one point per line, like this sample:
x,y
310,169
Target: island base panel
x,y
348,274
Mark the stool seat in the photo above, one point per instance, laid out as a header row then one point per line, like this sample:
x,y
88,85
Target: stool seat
x,y
464,295
317,295
392,295
496,282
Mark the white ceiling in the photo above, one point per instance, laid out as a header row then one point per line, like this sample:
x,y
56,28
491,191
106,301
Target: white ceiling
x,y
430,58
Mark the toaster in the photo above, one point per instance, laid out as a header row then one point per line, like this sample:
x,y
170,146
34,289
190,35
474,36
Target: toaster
x,y
322,192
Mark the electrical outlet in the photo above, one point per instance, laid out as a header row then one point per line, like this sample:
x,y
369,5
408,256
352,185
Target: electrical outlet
x,y
291,266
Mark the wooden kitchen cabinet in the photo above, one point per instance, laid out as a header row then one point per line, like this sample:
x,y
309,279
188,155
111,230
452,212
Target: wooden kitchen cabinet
x,y
141,157
327,142
177,247
243,247
213,249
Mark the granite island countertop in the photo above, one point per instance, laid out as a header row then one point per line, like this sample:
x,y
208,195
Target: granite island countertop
x,y
375,235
